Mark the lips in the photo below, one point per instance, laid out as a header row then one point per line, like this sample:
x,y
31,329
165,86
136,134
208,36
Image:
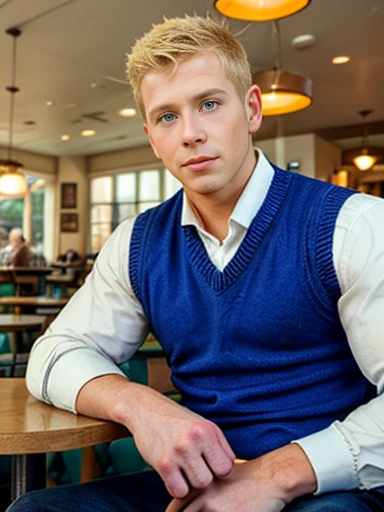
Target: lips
x,y
200,163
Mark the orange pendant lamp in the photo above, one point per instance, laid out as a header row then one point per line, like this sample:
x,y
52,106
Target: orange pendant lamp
x,y
260,10
282,92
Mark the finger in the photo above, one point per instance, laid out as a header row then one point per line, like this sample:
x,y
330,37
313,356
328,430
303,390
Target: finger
x,y
197,472
225,445
177,505
218,457
174,480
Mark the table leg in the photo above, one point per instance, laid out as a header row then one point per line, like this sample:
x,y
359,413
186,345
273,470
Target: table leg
x,y
28,474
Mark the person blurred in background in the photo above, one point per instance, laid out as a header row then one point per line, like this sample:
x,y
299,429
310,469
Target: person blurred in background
x,y
16,253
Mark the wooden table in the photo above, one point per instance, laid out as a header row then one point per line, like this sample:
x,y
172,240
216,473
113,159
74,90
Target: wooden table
x,y
18,324
29,429
14,273
39,302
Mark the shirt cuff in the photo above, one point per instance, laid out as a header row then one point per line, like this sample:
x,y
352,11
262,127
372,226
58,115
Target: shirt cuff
x,y
332,460
84,365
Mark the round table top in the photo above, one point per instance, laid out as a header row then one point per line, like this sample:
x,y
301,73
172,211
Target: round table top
x,y
29,426
33,301
11,323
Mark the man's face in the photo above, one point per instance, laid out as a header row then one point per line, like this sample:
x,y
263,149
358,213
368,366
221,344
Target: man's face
x,y
199,127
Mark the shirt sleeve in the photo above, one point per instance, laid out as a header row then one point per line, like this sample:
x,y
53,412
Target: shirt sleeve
x,y
350,454
102,326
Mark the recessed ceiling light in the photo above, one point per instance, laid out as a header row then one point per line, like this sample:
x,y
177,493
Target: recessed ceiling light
x,y
88,133
65,137
342,59
94,85
127,112
49,103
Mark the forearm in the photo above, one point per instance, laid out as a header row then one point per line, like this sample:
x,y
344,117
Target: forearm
x,y
115,398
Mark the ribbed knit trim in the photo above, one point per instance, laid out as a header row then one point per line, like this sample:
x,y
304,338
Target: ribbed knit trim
x,y
324,239
255,234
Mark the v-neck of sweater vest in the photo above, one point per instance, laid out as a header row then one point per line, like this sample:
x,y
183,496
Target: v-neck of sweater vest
x,y
221,280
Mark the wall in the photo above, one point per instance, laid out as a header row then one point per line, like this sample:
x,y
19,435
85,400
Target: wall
x,y
122,160
282,150
327,159
73,170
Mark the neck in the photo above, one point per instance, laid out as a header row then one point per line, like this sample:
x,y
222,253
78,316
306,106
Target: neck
x,y
214,210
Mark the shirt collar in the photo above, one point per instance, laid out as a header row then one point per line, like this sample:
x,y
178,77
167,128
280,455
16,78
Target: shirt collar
x,y
250,200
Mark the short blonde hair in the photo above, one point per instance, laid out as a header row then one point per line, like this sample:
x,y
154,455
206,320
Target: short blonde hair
x,y
178,39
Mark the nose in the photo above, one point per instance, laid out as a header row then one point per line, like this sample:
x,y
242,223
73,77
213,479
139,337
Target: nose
x,y
192,131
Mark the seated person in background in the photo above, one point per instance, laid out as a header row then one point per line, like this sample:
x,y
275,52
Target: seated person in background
x,y
70,263
17,253
70,257
265,289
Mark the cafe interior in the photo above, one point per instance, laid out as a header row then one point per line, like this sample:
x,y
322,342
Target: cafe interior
x,y
75,162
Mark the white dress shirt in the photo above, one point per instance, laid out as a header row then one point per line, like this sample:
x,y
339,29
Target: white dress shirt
x,y
104,324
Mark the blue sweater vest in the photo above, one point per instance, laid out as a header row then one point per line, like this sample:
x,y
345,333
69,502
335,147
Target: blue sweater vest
x,y
257,348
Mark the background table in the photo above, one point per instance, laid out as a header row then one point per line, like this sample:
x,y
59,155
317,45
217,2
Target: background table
x,y
18,324
29,429
39,302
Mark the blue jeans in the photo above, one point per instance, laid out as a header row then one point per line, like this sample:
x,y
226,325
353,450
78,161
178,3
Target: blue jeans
x,y
145,492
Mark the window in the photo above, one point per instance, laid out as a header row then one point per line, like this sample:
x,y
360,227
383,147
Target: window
x,y
12,214
116,198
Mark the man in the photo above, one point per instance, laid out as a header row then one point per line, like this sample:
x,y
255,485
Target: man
x,y
17,253
240,277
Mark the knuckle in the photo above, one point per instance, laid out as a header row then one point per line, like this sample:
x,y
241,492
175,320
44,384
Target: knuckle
x,y
165,467
182,447
199,430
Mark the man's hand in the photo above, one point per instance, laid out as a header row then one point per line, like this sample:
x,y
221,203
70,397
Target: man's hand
x,y
265,484
185,449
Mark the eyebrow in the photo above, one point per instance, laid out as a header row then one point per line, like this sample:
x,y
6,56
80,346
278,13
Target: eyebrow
x,y
200,96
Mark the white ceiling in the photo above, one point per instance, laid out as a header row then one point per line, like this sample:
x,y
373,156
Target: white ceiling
x,y
68,44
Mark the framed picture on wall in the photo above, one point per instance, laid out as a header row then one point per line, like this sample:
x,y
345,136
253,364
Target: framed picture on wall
x,y
69,195
69,222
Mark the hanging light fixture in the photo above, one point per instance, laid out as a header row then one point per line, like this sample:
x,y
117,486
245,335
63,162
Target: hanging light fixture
x,y
259,10
367,158
282,92
12,182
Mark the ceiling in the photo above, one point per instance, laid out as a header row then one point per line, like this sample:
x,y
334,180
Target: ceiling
x,y
67,45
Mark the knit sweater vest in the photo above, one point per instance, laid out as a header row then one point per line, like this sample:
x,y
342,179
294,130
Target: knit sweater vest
x,y
257,348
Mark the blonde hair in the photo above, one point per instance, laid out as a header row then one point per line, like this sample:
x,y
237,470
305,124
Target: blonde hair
x,y
178,39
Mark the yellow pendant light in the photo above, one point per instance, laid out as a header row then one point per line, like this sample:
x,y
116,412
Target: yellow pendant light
x,y
365,157
365,161
12,182
282,92
259,10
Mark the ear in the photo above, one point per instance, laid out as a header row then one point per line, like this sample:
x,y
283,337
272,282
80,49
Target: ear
x,y
253,108
146,131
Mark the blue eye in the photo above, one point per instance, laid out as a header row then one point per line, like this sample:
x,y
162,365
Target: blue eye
x,y
167,118
209,105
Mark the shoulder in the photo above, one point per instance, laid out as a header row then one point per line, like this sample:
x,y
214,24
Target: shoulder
x,y
360,207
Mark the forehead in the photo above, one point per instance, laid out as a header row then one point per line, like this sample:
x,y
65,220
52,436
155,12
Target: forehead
x,y
192,75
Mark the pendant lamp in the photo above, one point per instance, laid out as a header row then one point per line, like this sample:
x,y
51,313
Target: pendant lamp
x,y
12,182
366,159
282,92
366,156
259,10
